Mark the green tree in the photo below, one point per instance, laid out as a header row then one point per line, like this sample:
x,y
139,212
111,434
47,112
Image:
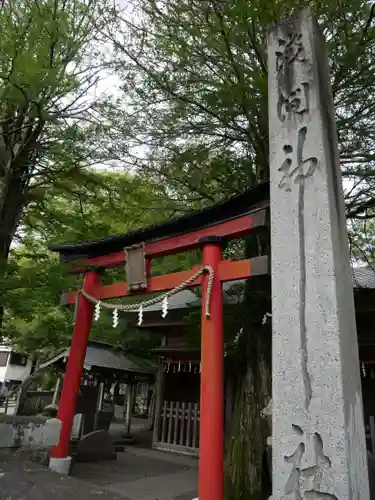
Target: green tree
x,y
49,62
362,240
112,204
195,77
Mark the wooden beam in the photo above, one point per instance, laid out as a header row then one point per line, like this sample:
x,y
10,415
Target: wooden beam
x,y
228,271
174,448
231,229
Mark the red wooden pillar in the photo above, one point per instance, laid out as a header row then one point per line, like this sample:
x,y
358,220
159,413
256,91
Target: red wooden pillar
x,y
211,444
74,367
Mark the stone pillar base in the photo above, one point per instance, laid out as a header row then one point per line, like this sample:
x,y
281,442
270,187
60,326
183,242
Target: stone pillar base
x,y
61,465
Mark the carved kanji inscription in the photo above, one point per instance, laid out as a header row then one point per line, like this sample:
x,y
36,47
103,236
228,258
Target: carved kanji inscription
x,y
304,168
294,103
290,50
311,471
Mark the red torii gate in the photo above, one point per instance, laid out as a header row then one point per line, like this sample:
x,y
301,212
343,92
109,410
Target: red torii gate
x,y
232,219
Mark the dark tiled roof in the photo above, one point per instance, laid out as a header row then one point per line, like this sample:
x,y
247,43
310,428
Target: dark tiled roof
x,y
105,356
363,277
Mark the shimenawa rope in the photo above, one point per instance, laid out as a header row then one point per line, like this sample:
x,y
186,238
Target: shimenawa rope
x,y
140,306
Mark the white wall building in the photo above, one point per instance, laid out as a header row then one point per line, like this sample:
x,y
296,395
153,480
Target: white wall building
x,y
14,366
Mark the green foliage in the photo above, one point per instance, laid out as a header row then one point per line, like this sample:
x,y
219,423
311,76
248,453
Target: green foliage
x,y
34,321
362,240
40,39
109,204
105,204
195,78
49,62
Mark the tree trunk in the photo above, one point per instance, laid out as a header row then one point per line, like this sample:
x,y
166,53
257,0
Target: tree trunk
x,y
11,205
247,475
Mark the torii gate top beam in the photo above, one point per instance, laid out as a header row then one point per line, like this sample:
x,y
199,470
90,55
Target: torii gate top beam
x,y
233,218
230,219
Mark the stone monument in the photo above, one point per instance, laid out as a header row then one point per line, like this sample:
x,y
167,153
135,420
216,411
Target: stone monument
x,y
318,443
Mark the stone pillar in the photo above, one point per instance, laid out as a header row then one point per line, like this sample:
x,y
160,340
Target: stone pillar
x,y
56,392
129,407
318,429
158,398
99,405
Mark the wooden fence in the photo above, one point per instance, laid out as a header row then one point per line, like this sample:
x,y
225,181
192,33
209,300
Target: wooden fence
x,y
179,427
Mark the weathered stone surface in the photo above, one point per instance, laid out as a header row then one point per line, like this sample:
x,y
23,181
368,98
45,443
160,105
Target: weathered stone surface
x,y
35,432
77,426
96,446
318,432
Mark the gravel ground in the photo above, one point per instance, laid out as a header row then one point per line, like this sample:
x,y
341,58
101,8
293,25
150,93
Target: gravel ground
x,y
21,479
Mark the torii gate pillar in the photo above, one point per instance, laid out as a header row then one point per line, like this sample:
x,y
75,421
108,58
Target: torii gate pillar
x,y
60,460
211,441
